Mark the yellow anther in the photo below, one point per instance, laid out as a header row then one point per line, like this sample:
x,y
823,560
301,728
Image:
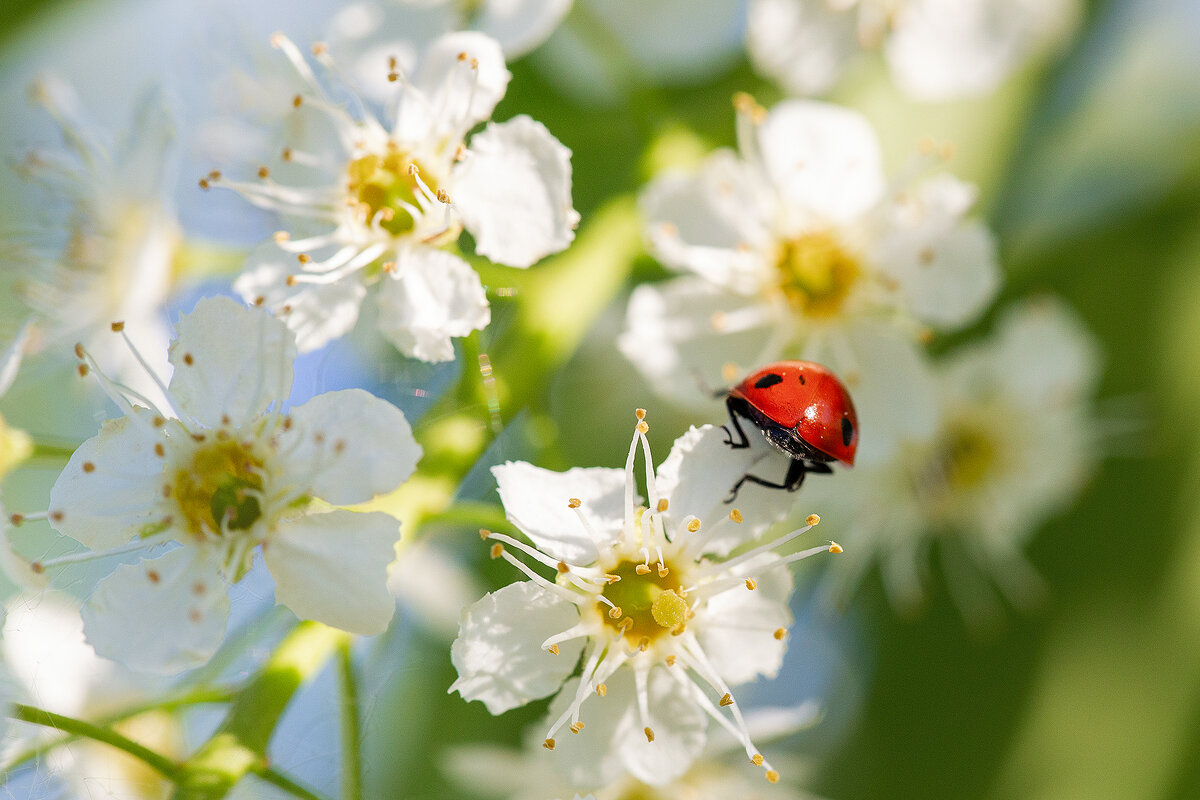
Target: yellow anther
x,y
264,173
727,700
281,236
552,649
649,734
319,48
548,744
574,502
601,689
757,760
664,572
297,101
484,533
693,526
304,258
670,660
643,428
117,327
772,776
563,567
736,516
640,413
497,550
751,584
642,569
290,280
78,350
834,547
644,644
615,612
610,578
780,633
576,727
812,520
663,504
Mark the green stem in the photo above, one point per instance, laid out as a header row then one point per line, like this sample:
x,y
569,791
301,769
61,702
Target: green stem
x,y
351,745
285,783
239,746
156,761
190,698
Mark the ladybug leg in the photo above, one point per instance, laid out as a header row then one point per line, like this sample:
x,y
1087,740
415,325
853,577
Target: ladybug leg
x,y
791,482
737,426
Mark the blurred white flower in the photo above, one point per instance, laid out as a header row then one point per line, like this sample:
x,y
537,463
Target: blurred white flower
x,y
937,49
99,239
56,670
15,445
795,242
532,774
397,27
665,620
1013,441
220,471
377,203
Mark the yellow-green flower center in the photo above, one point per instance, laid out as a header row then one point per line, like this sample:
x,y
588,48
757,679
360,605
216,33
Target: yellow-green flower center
x,y
382,186
967,455
219,490
816,273
650,603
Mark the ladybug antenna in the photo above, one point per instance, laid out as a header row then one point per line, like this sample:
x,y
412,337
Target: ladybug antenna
x,y
705,387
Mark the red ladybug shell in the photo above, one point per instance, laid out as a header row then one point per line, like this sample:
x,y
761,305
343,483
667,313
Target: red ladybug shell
x,y
807,398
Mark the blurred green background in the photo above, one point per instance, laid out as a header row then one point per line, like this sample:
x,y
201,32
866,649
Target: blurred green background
x,y
1090,170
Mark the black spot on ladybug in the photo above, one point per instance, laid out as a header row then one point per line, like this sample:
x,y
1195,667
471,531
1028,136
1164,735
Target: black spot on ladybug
x,y
802,381
768,380
847,431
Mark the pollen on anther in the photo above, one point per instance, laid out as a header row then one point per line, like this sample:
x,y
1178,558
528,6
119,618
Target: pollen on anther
x,y
304,258
735,516
757,760
78,350
552,649
649,733
159,450
203,184
574,502
780,633
812,519
615,612
563,567
188,359
751,584
117,327
37,567
286,154
642,569
16,519
153,576
727,699
610,578
497,550
548,744
663,504
297,101
640,413
258,301
601,689
484,533
834,547
693,526
89,466
443,196
670,660
576,727
772,776
82,369
664,572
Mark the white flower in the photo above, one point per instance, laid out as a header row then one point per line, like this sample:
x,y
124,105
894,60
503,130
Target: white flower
x,y
793,243
937,49
1012,442
665,621
99,239
377,201
220,472
56,670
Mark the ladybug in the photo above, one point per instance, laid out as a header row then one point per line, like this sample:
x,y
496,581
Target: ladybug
x,y
803,410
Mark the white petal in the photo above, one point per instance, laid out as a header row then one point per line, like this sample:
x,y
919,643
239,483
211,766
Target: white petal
x,y
699,473
614,736
803,44
10,359
230,360
946,267
162,615
431,297
107,505
520,25
714,223
824,159
535,500
366,446
736,628
1045,355
674,336
498,652
318,313
514,193
333,568
463,96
